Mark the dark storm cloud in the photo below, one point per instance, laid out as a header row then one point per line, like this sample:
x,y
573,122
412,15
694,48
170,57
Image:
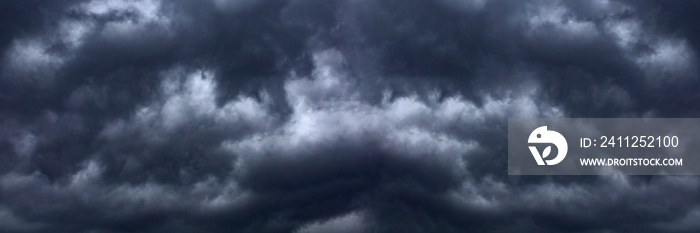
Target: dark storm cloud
x,y
329,116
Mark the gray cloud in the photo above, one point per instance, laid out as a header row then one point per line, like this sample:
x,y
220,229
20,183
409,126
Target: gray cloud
x,y
329,116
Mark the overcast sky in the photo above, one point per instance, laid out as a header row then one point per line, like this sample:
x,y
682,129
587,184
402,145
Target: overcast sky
x,y
313,116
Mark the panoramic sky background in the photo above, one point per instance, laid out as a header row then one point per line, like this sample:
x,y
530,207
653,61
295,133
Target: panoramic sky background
x,y
330,116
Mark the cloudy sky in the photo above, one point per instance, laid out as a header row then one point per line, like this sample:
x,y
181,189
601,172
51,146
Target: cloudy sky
x,y
313,116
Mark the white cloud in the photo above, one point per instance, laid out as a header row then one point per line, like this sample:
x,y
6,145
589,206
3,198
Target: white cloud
x,y
25,144
557,20
74,32
328,108
666,59
148,13
352,222
669,58
625,32
29,60
487,195
188,97
86,186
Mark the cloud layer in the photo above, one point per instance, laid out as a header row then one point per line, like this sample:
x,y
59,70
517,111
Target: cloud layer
x,y
329,116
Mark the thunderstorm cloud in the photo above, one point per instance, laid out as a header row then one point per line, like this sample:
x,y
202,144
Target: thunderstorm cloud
x,y
330,116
